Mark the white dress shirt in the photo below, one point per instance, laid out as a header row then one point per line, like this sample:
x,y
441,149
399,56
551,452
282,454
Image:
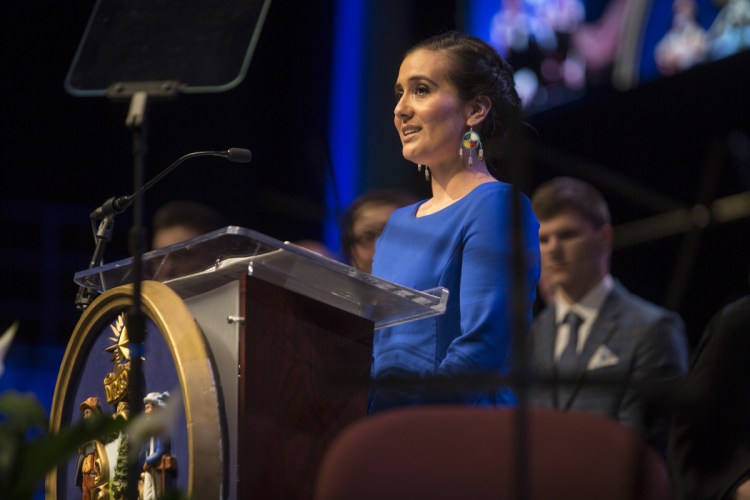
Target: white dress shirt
x,y
587,309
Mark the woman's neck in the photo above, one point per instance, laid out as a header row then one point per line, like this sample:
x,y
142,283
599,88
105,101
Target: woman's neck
x,y
449,186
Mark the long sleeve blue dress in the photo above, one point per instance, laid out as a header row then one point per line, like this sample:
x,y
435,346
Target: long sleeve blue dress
x,y
466,248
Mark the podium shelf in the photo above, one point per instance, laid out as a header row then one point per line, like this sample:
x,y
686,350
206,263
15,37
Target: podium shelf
x,y
209,261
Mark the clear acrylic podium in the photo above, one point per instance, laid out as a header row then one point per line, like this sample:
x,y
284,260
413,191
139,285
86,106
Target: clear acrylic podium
x,y
289,333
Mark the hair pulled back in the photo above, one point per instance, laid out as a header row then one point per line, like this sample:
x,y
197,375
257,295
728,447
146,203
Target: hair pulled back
x,y
476,69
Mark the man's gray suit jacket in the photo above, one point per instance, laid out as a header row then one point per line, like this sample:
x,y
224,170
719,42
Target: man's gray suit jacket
x,y
634,349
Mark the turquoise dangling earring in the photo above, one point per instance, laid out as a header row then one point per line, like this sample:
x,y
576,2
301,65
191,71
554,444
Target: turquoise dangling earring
x,y
471,141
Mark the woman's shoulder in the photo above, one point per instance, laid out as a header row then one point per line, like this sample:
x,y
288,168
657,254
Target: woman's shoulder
x,y
493,202
500,193
494,188
407,210
404,215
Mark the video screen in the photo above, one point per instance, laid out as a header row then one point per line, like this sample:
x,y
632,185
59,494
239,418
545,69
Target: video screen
x,y
562,48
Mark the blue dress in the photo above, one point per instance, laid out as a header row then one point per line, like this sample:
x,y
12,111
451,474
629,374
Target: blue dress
x,y
466,248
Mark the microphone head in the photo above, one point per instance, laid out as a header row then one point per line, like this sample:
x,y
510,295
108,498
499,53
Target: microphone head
x,y
239,155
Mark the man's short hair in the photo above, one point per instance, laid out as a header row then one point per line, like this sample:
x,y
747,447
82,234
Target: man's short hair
x,y
198,216
568,194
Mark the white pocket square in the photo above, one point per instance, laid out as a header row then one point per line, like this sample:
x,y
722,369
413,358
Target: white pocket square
x,y
601,358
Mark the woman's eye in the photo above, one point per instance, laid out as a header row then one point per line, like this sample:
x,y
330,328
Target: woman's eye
x,y
421,90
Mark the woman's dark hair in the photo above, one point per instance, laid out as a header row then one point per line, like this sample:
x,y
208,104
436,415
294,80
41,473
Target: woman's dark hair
x,y
477,69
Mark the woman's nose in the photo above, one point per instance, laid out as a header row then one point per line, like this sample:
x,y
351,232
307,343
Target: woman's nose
x,y
402,110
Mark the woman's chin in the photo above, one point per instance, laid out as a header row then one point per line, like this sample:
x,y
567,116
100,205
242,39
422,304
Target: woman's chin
x,y
408,155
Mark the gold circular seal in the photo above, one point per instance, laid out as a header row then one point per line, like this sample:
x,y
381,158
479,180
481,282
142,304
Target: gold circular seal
x,y
180,339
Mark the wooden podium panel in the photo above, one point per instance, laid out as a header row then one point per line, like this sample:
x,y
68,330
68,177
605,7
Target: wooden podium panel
x,y
301,367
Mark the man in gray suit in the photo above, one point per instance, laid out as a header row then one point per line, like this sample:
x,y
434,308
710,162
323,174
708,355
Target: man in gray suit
x,y
597,348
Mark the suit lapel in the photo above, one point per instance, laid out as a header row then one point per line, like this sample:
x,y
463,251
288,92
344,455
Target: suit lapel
x,y
544,336
550,334
601,331
561,393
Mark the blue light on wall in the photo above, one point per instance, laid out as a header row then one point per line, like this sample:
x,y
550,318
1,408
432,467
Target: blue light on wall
x,y
345,116
478,16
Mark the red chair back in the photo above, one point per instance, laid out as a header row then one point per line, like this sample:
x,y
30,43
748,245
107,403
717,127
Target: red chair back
x,y
472,453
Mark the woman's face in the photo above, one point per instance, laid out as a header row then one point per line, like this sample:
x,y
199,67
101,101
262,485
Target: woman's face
x,y
368,224
429,116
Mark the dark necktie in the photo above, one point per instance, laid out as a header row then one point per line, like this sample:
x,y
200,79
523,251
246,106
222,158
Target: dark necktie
x,y
567,362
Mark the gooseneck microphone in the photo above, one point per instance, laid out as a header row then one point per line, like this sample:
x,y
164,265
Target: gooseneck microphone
x,y
118,204
105,214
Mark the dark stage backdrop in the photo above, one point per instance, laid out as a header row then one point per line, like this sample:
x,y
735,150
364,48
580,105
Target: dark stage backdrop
x,y
651,149
662,148
62,156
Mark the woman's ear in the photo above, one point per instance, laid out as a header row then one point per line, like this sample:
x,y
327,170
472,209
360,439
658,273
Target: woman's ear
x,y
477,110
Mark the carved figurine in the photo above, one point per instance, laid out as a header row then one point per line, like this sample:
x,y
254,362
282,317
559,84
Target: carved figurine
x,y
87,465
159,465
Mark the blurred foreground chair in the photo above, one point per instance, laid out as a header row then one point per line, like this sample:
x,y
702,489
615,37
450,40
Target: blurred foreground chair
x,y
471,453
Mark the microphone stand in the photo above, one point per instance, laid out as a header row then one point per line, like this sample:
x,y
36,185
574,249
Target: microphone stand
x,y
102,236
139,94
136,122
